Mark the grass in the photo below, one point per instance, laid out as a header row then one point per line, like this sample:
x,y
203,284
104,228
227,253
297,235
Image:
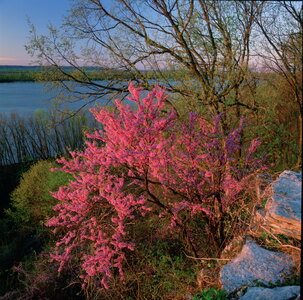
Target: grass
x,y
210,294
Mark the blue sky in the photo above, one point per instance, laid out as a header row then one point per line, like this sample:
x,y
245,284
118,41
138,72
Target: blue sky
x,y
14,29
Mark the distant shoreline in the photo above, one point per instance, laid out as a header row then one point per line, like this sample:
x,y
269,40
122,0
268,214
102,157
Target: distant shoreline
x,y
15,73
37,73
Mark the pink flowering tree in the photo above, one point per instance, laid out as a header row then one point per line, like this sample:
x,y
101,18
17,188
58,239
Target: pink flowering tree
x,y
144,161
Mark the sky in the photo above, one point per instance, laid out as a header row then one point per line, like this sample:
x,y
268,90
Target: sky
x,y
14,29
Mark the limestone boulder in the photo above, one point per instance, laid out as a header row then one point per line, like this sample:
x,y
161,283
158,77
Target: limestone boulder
x,y
277,293
283,207
254,265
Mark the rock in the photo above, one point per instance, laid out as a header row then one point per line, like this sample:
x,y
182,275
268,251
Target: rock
x,y
277,293
283,207
254,264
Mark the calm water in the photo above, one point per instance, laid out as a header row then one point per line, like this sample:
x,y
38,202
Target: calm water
x,y
23,97
26,97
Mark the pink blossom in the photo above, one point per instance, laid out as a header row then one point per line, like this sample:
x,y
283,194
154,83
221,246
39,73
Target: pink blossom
x,y
191,164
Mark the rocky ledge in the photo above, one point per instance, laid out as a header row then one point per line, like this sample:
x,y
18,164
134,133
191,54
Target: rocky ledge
x,y
283,207
254,265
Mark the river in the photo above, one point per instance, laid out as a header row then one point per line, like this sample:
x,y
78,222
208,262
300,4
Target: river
x,y
24,97
27,97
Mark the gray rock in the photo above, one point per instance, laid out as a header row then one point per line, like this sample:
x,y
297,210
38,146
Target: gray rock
x,y
277,293
283,208
254,264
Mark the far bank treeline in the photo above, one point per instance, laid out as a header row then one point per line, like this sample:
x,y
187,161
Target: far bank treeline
x,y
68,73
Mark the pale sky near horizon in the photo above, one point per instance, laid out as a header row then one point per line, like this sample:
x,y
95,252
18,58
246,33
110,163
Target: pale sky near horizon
x,y
14,29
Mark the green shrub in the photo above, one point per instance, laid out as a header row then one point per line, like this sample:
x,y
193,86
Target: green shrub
x,y
22,233
31,201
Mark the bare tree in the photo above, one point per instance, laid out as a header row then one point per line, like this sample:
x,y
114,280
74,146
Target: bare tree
x,y
206,41
281,25
41,136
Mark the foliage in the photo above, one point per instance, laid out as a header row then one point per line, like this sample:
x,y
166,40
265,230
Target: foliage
x,y
23,234
274,241
278,283
31,201
276,122
281,25
211,294
9,179
146,162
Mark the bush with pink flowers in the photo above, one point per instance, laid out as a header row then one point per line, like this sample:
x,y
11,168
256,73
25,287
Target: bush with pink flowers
x,y
146,162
